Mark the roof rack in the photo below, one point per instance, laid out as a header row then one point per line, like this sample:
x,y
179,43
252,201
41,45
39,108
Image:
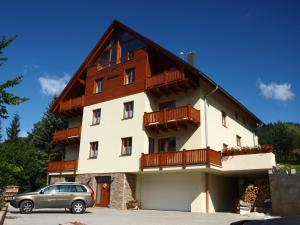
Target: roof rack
x,y
68,183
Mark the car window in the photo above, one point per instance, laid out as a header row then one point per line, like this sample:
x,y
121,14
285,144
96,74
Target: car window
x,y
80,188
50,189
64,188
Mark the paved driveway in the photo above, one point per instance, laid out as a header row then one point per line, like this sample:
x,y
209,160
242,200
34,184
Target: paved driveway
x,y
104,216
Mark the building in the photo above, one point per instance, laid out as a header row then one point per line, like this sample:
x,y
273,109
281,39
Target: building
x,y
145,124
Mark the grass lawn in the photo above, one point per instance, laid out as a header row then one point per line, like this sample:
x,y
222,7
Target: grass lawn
x,y
290,165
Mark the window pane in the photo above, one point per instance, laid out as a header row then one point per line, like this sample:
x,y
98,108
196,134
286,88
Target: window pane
x,y
128,110
99,86
80,188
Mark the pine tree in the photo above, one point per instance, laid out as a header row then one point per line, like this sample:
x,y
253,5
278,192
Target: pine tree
x,y
42,135
14,129
1,132
7,98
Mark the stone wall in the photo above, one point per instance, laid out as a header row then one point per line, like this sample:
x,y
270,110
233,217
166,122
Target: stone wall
x,y
123,187
57,178
285,194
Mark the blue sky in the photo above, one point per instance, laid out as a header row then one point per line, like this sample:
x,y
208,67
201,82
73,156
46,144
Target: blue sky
x,y
251,48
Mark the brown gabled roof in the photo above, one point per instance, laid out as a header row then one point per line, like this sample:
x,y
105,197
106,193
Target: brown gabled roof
x,y
118,25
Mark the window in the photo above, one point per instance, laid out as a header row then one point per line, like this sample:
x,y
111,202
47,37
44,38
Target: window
x,y
167,105
99,85
126,146
129,76
151,145
70,179
51,189
96,116
128,110
167,144
109,55
225,147
238,141
93,150
224,119
80,188
128,45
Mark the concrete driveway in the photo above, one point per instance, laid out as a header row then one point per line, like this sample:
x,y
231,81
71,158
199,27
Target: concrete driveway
x,y
104,216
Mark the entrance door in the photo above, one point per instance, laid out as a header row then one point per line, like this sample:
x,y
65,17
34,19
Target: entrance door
x,y
103,194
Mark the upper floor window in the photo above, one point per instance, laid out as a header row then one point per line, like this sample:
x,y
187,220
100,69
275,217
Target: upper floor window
x,y
129,76
167,144
151,145
109,55
96,116
126,146
128,45
238,141
99,85
128,110
167,105
93,150
224,117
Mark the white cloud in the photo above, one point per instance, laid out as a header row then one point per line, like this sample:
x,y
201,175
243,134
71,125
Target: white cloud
x,y
281,92
52,85
23,133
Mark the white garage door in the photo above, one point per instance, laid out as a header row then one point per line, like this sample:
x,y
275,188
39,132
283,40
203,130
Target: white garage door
x,y
166,192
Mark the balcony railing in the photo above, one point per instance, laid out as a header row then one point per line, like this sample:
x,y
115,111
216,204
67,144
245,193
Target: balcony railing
x,y
63,166
182,158
67,135
164,78
184,114
73,103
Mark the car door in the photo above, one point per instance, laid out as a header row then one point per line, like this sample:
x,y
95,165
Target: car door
x,y
46,197
65,195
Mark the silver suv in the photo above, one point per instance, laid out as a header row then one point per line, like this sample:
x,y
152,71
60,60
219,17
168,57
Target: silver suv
x,y
72,195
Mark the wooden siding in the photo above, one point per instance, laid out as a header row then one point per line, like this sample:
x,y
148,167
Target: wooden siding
x,y
63,166
182,158
113,77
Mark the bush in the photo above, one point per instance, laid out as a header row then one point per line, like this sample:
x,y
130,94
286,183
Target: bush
x,y
2,202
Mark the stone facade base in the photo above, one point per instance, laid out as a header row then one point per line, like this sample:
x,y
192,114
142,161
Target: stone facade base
x,y
122,190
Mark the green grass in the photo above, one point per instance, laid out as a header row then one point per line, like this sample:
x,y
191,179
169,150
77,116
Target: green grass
x,y
290,165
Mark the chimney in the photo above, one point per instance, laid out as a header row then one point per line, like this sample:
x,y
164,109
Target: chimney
x,y
190,57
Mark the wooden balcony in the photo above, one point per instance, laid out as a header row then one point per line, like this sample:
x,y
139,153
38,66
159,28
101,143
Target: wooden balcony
x,y
169,82
68,135
182,158
72,107
63,166
172,118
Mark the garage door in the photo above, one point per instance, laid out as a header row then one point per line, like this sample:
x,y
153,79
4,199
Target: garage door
x,y
166,192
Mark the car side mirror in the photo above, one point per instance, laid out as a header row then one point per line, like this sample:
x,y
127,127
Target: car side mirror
x,y
42,192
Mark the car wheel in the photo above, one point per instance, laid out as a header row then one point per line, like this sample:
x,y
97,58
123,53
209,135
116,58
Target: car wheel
x,y
78,207
26,207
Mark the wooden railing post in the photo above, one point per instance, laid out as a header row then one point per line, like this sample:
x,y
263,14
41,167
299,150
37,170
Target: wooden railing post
x,y
165,115
160,161
142,162
183,159
208,156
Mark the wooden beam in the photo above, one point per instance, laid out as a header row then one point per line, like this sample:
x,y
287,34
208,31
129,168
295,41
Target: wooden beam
x,y
81,81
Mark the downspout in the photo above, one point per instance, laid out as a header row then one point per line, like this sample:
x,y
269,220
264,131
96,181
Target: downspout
x,y
205,113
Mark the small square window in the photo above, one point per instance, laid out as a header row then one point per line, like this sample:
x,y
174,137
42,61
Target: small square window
x,y
93,150
238,141
224,117
99,85
126,146
129,76
96,116
128,110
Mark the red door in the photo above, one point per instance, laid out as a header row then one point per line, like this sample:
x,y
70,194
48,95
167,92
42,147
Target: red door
x,y
103,194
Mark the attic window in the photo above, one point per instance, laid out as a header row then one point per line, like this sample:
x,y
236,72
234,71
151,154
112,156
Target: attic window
x,y
129,45
108,56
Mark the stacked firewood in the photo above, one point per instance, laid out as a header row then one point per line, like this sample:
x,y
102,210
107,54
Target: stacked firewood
x,y
256,193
